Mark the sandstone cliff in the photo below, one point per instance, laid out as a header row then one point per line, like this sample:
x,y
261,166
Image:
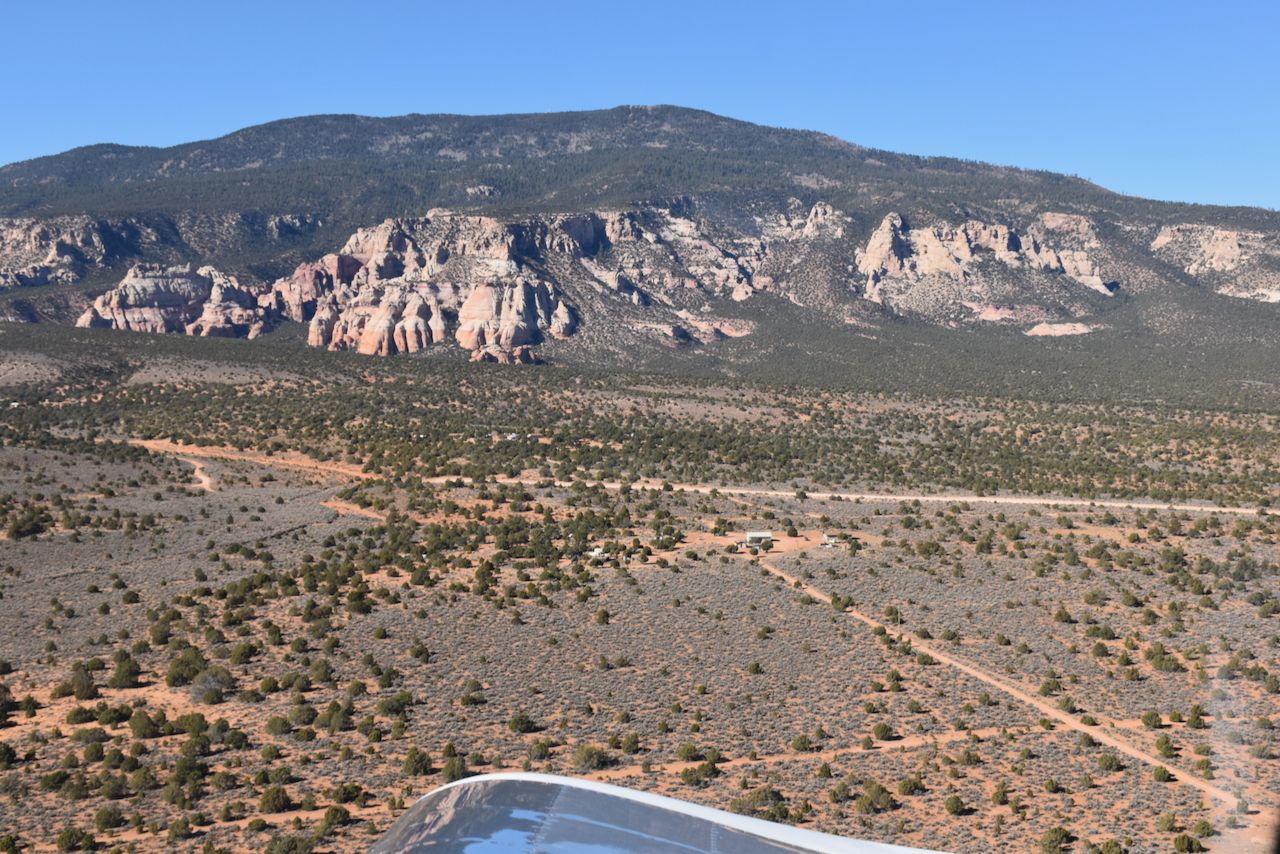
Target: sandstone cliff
x,y
495,287
399,286
52,251
37,251
1233,262
590,236
500,287
153,298
934,270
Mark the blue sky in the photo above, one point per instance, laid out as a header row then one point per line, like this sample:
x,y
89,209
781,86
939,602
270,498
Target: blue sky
x,y
1173,100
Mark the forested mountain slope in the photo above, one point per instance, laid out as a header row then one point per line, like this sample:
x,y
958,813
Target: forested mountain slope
x,y
632,235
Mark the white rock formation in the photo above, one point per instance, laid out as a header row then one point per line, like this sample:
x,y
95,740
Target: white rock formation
x,y
154,298
897,251
1236,263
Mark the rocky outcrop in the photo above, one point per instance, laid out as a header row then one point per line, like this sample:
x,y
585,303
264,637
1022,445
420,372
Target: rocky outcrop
x,y
378,323
1058,330
154,298
67,249
1236,263
778,235
517,356
898,256
494,285
403,322
398,286
709,330
1202,248
228,312
51,251
563,321
505,317
297,295
819,221
498,287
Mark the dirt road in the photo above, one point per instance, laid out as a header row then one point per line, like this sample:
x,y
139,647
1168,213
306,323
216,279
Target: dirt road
x,y
1100,732
301,462
202,477
284,459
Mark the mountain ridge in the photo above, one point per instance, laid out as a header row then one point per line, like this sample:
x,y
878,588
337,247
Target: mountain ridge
x,y
698,131
633,230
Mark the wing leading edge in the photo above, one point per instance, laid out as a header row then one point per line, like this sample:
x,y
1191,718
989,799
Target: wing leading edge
x,y
524,812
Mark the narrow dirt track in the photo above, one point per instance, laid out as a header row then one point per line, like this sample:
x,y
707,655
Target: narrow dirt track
x,y
1009,500
346,508
301,462
1099,733
288,460
202,477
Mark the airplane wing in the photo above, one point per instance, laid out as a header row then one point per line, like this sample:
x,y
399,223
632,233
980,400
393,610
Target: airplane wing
x,y
523,812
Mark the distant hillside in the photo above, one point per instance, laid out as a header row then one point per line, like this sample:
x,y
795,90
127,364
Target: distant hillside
x,y
637,233
391,166
380,167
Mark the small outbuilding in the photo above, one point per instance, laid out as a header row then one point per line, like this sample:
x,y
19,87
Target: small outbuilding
x,y
755,539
